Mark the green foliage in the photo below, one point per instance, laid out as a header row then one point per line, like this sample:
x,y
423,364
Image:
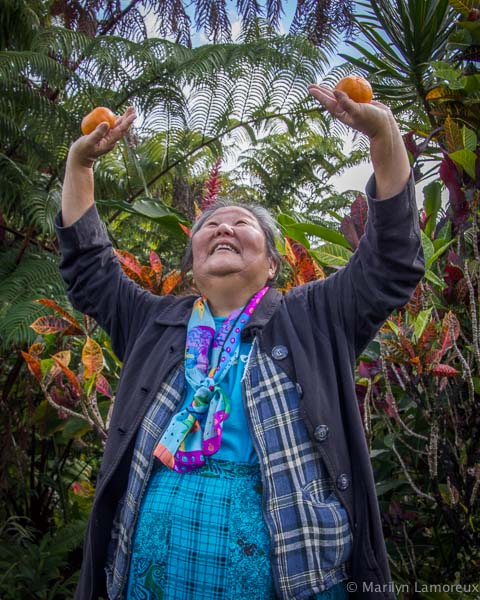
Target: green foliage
x,y
35,566
418,382
404,37
26,275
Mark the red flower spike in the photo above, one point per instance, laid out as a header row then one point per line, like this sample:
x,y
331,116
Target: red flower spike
x,y
212,186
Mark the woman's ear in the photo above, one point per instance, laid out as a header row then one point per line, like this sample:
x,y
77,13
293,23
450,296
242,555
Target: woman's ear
x,y
272,270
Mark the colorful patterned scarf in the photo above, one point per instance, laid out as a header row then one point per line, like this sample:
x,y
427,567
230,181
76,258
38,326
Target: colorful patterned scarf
x,y
196,431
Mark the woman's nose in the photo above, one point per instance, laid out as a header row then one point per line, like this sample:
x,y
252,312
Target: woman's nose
x,y
224,228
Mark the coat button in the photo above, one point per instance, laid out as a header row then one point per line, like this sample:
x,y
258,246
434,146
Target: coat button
x,y
279,352
321,433
342,481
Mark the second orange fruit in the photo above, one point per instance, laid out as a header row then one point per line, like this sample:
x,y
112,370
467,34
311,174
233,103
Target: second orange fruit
x,y
98,115
356,87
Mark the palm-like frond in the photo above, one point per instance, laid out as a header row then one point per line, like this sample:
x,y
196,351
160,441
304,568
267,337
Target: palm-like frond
x,y
36,276
315,19
404,37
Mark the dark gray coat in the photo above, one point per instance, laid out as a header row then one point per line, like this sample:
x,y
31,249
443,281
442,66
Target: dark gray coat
x,y
316,332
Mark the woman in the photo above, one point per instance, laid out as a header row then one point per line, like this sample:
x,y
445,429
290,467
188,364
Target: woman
x,y
236,465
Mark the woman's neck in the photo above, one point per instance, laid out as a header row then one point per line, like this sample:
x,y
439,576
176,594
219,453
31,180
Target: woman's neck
x,y
222,302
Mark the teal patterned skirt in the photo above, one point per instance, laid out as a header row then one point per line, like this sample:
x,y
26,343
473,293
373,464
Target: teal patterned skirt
x,y
201,535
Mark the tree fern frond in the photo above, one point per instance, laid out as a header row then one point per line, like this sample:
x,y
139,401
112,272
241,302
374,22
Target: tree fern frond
x,y
37,274
212,17
15,321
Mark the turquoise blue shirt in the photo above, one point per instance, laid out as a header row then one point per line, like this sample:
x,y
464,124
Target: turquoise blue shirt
x,y
236,444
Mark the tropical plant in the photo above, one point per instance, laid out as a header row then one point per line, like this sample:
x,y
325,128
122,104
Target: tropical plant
x,y
38,568
317,19
418,383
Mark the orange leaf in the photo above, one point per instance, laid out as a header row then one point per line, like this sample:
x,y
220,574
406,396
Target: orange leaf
x,y
148,277
171,281
66,315
50,324
128,260
305,269
92,358
33,365
185,230
70,375
289,253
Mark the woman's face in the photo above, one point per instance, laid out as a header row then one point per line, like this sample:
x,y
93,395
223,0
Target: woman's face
x,y
231,242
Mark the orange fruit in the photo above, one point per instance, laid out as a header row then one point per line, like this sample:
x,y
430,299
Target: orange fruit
x,y
356,87
94,118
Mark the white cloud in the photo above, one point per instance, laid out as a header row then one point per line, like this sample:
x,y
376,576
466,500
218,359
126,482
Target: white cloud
x,y
236,29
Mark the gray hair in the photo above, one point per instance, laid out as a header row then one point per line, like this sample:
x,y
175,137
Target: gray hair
x,y
262,215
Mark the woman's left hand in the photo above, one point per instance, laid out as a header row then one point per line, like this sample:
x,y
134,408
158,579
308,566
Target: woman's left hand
x,y
387,150
371,118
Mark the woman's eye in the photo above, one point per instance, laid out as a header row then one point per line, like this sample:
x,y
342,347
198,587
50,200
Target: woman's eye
x,y
241,222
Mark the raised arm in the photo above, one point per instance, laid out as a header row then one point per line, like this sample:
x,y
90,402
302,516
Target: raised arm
x,y
97,285
77,194
388,264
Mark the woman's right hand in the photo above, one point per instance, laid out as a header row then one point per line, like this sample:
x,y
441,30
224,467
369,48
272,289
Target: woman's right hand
x,y
89,147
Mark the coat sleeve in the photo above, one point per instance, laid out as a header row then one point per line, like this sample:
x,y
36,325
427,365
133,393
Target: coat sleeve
x,y
96,283
383,272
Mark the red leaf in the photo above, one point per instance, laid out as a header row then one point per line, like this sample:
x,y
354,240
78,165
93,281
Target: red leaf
x,y
407,345
103,386
128,260
156,263
347,227
411,145
429,334
70,375
353,225
445,370
33,365
452,179
359,214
